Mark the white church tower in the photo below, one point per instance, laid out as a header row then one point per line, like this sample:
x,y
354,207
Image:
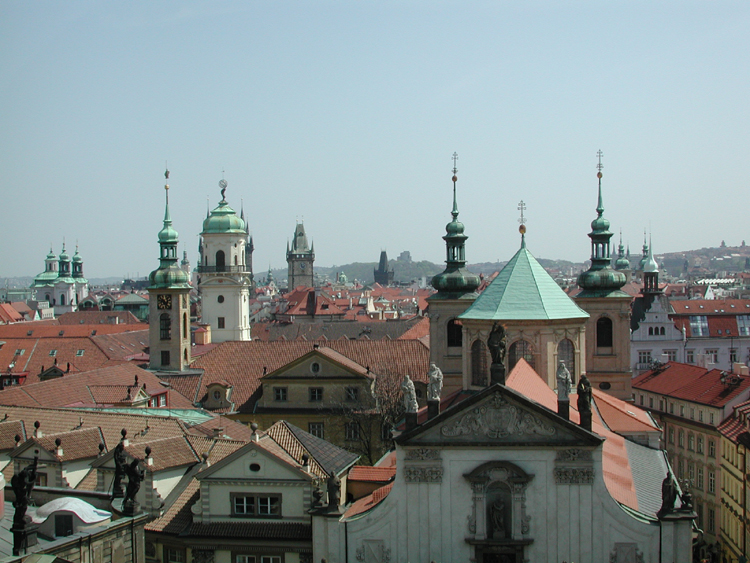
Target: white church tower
x,y
226,276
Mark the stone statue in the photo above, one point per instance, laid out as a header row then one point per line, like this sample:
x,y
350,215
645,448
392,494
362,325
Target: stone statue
x,y
135,476
496,344
563,382
668,495
334,492
22,484
435,383
498,522
410,395
119,458
584,394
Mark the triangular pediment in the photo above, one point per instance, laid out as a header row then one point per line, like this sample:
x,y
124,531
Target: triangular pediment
x,y
499,416
322,363
253,461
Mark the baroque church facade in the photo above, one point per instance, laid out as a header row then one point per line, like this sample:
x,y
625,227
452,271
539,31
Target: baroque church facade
x,y
62,283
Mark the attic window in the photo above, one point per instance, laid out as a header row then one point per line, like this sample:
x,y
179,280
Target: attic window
x,y
29,333
315,367
20,351
93,333
79,353
53,352
62,332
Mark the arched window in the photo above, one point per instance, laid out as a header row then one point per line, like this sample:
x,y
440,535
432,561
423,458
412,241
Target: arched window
x,y
650,331
220,260
454,333
604,332
184,325
520,349
661,331
478,363
165,326
62,299
235,259
567,353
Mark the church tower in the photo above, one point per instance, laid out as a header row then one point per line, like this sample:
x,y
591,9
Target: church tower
x,y
608,326
226,279
456,289
382,274
300,258
169,304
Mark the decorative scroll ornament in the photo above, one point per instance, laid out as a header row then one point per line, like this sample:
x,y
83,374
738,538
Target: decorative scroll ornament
x,y
422,454
423,474
573,454
498,419
574,475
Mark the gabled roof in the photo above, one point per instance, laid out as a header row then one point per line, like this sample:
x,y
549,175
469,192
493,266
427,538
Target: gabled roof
x,y
693,383
523,290
331,355
296,441
76,444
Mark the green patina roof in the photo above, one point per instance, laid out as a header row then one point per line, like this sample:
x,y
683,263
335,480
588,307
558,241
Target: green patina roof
x,y
523,290
222,220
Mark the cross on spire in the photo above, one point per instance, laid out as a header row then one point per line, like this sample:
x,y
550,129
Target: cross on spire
x,y
455,159
522,208
599,155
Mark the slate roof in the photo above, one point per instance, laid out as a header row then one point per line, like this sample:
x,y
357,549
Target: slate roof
x,y
523,290
692,383
242,363
296,441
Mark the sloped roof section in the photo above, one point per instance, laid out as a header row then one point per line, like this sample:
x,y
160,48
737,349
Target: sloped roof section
x,y
523,290
330,457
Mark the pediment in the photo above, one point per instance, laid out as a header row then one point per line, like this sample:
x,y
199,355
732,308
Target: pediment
x,y
323,364
499,416
252,462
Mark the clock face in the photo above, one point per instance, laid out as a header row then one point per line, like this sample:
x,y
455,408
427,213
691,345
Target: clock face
x,y
303,266
164,301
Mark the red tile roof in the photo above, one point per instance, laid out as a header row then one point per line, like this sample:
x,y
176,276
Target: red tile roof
x,y
368,502
693,383
76,444
711,307
371,474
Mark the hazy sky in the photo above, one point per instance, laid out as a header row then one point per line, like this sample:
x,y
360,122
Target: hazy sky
x,y
346,113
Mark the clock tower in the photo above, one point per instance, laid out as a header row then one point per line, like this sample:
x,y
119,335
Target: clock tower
x,y
169,304
300,258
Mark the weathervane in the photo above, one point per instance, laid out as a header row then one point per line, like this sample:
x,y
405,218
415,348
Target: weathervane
x,y
223,185
455,159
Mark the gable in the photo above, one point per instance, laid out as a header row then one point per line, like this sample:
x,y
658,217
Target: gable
x,y
252,462
317,365
499,417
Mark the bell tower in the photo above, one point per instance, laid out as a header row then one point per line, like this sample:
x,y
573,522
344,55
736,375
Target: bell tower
x,y
169,303
300,258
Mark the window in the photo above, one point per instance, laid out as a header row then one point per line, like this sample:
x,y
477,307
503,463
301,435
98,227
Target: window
x,y
671,435
242,558
165,327
165,357
711,482
711,448
352,394
604,332
520,349
256,505
699,325
691,442
279,394
221,322
220,261
661,331
700,415
700,445
53,352
566,352
317,429
671,408
743,324
351,431
712,356
641,399
385,432
315,368
733,355
454,334
163,400
651,402
690,356
644,357
699,480
711,416
681,438
711,518
63,525
682,410
691,471
478,363
174,555
671,355
316,394
20,351
79,353
661,404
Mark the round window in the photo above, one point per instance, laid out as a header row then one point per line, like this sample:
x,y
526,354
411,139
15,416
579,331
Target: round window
x,y
604,385
255,467
315,367
220,299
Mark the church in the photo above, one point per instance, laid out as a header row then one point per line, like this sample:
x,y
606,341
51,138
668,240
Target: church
x,y
62,283
506,465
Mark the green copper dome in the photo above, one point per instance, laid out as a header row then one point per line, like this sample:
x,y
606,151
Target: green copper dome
x,y
622,263
170,277
454,228
222,220
51,255
77,257
64,256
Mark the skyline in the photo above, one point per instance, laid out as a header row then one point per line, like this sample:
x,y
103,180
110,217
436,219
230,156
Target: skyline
x,y
347,115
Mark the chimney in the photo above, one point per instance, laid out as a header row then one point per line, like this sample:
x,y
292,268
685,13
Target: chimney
x,y
58,444
149,459
37,430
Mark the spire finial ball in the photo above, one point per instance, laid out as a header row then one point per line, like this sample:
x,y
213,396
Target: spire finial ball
x,y
522,229
599,175
455,178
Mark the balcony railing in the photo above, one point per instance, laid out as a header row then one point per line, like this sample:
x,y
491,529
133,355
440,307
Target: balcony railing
x,y
223,270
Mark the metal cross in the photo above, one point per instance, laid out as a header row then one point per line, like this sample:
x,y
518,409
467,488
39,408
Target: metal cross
x,y
522,208
599,154
455,159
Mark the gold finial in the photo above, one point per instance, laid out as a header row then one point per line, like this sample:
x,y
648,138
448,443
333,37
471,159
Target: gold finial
x,y
166,177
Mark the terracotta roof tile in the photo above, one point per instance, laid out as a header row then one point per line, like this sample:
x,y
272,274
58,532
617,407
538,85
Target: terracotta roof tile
x,y
178,516
89,482
371,474
9,429
166,453
370,501
76,444
99,317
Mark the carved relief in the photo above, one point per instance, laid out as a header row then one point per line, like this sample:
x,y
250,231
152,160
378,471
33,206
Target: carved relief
x,y
626,553
432,474
498,419
373,551
574,475
422,454
573,454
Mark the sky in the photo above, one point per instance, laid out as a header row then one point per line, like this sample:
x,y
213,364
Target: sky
x,y
345,115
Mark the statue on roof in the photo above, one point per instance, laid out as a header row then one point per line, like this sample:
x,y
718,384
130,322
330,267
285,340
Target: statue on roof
x,y
435,382
410,395
496,343
135,476
668,495
584,395
564,382
22,484
119,459
334,492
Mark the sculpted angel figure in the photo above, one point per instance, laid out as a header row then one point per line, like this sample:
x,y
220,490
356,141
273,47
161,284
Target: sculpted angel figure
x,y
410,395
435,382
563,381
